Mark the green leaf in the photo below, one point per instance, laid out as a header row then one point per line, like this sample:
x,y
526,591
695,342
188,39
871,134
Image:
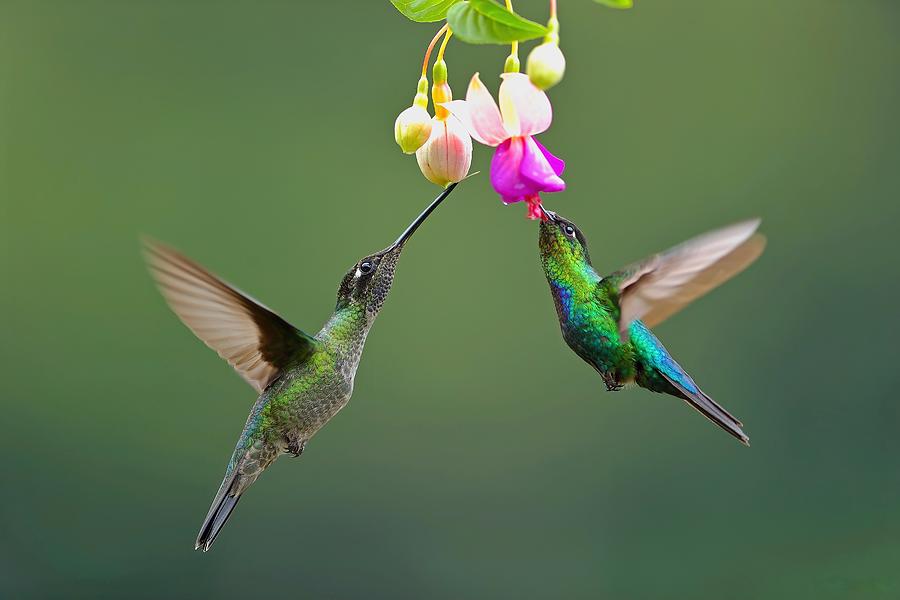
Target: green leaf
x,y
616,3
485,22
424,11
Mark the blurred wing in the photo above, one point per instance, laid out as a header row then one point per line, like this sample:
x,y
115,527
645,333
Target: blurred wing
x,y
658,287
253,339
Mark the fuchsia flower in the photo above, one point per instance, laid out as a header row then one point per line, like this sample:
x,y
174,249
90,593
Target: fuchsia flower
x,y
447,155
521,168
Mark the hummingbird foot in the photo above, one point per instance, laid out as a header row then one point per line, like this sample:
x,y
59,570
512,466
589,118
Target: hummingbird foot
x,y
611,384
609,378
295,447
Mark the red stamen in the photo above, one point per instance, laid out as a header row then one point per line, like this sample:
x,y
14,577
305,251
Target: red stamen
x,y
535,212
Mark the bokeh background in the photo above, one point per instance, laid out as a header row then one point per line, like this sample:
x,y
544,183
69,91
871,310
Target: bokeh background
x,y
479,458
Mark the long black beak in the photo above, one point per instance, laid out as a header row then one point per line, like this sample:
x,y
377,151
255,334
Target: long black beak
x,y
421,218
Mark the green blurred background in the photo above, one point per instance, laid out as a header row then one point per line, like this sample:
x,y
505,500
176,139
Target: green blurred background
x,y
479,457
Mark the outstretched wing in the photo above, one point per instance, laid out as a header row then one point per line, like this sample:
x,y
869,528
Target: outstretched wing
x,y
658,287
253,339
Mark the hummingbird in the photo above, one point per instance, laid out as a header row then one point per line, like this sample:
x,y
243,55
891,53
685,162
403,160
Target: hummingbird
x,y
302,380
606,320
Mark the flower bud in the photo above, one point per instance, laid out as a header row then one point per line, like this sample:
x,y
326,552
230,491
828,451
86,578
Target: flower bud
x,y
412,128
440,91
447,155
512,64
546,65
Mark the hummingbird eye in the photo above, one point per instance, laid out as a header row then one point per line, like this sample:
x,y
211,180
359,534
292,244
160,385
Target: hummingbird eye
x,y
570,231
365,267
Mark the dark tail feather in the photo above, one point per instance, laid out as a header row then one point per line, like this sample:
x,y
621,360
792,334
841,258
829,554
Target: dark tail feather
x,y
221,508
710,409
720,408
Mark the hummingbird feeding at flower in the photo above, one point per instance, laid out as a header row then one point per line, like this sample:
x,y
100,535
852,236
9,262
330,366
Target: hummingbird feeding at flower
x,y
303,380
606,320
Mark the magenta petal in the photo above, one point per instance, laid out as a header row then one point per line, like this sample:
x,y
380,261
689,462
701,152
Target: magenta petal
x,y
557,164
505,167
537,171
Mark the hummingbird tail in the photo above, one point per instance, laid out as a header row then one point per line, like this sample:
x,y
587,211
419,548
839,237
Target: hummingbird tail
x,y
710,409
244,469
658,371
224,502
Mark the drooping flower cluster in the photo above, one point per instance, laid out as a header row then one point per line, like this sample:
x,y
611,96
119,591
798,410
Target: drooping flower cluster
x,y
521,168
447,155
441,143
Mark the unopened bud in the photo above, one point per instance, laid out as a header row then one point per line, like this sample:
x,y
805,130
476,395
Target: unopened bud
x,y
412,128
440,90
447,155
546,63
512,64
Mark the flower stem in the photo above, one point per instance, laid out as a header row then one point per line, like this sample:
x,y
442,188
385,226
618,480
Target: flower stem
x,y
552,25
512,61
443,47
434,40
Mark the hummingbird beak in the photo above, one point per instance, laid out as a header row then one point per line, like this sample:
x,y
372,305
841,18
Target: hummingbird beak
x,y
420,219
549,215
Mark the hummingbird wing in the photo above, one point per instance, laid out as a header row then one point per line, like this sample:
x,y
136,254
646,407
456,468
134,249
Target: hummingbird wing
x,y
251,338
656,288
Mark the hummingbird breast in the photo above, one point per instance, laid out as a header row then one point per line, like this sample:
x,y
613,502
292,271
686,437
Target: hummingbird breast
x,y
306,397
592,333
587,321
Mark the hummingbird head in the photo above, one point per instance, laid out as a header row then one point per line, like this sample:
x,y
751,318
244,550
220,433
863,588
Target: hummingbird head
x,y
561,240
367,283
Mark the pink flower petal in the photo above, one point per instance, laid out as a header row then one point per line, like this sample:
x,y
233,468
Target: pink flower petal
x,y
479,113
447,154
526,110
459,150
536,170
485,115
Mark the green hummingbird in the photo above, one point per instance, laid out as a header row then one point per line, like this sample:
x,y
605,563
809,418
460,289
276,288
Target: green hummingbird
x,y
302,380
605,320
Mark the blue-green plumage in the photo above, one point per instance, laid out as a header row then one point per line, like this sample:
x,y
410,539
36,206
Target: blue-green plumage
x,y
655,368
600,317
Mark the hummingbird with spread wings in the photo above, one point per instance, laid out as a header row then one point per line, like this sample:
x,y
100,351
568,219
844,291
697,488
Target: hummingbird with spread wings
x,y
606,320
302,380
